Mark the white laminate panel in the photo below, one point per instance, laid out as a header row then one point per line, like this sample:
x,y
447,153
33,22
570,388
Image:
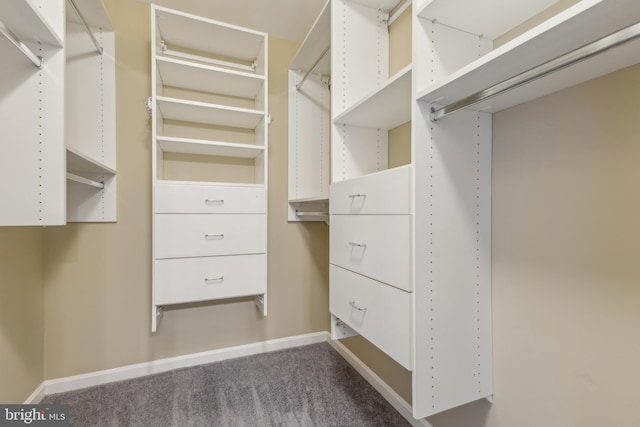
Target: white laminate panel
x,y
200,279
385,192
190,198
377,246
193,235
378,312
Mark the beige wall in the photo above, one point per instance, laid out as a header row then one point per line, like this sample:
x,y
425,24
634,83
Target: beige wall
x,y
98,276
21,308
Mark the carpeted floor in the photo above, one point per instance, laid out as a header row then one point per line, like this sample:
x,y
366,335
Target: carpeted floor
x,y
302,386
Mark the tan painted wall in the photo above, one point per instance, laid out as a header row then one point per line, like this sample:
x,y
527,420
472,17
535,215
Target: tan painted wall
x,y
98,292
21,313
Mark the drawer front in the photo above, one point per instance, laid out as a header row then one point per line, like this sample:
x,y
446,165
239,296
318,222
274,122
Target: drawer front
x,y
377,246
200,279
182,198
378,312
384,192
189,235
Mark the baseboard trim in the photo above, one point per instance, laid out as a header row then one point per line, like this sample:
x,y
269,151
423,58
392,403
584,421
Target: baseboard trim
x,y
36,396
382,387
76,382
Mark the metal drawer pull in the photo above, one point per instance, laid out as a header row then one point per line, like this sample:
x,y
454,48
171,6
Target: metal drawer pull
x,y
352,303
357,195
214,202
214,236
360,245
208,280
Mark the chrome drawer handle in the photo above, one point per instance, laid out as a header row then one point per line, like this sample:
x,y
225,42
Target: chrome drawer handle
x,y
214,202
360,245
357,195
214,236
208,280
353,304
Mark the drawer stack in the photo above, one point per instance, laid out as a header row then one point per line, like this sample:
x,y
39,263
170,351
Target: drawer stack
x,y
210,242
370,256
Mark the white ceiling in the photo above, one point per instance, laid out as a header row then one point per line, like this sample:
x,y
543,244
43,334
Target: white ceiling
x,y
286,19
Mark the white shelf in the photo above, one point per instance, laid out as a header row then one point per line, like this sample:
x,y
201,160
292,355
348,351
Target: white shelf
x,y
93,12
27,23
579,25
384,5
210,148
78,162
319,199
315,44
385,108
214,114
205,78
179,29
212,184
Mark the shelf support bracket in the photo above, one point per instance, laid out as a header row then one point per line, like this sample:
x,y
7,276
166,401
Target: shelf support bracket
x,y
313,67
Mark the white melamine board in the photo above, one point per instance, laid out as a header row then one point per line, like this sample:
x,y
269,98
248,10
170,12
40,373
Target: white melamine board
x,y
38,21
490,18
310,200
200,112
205,78
211,148
88,204
452,250
385,108
93,12
183,30
32,155
384,5
585,22
78,162
357,151
315,43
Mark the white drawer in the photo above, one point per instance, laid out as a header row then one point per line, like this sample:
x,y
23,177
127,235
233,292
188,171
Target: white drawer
x,y
378,312
193,198
200,279
377,246
189,235
385,192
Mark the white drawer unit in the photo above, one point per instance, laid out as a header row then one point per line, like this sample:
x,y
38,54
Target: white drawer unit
x,y
378,312
208,278
195,235
377,246
385,192
193,198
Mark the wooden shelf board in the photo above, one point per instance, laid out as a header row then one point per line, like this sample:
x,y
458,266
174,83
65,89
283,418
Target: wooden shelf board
x,y
386,108
200,112
210,148
24,20
315,43
78,162
205,78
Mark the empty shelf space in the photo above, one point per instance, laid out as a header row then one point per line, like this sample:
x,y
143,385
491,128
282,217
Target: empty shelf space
x,y
211,148
24,20
214,114
315,44
78,162
205,78
577,26
386,108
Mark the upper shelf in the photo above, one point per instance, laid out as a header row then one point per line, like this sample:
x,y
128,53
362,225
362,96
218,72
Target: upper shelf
x,y
384,5
585,22
93,12
81,163
205,78
26,22
315,44
386,108
214,114
206,35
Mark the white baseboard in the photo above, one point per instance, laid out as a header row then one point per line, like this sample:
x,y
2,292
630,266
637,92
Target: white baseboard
x,y
36,396
76,382
382,387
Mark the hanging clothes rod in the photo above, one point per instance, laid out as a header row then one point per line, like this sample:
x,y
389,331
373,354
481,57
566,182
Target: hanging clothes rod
x,y
563,61
313,67
37,60
83,180
312,214
73,5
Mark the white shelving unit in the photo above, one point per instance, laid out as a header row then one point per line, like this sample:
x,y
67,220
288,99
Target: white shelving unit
x,y
309,123
209,102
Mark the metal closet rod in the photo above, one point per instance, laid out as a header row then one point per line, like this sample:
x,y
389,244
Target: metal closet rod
x,y
313,67
563,61
73,5
37,60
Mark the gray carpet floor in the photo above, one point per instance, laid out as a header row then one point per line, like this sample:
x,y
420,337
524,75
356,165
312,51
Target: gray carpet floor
x,y
303,386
